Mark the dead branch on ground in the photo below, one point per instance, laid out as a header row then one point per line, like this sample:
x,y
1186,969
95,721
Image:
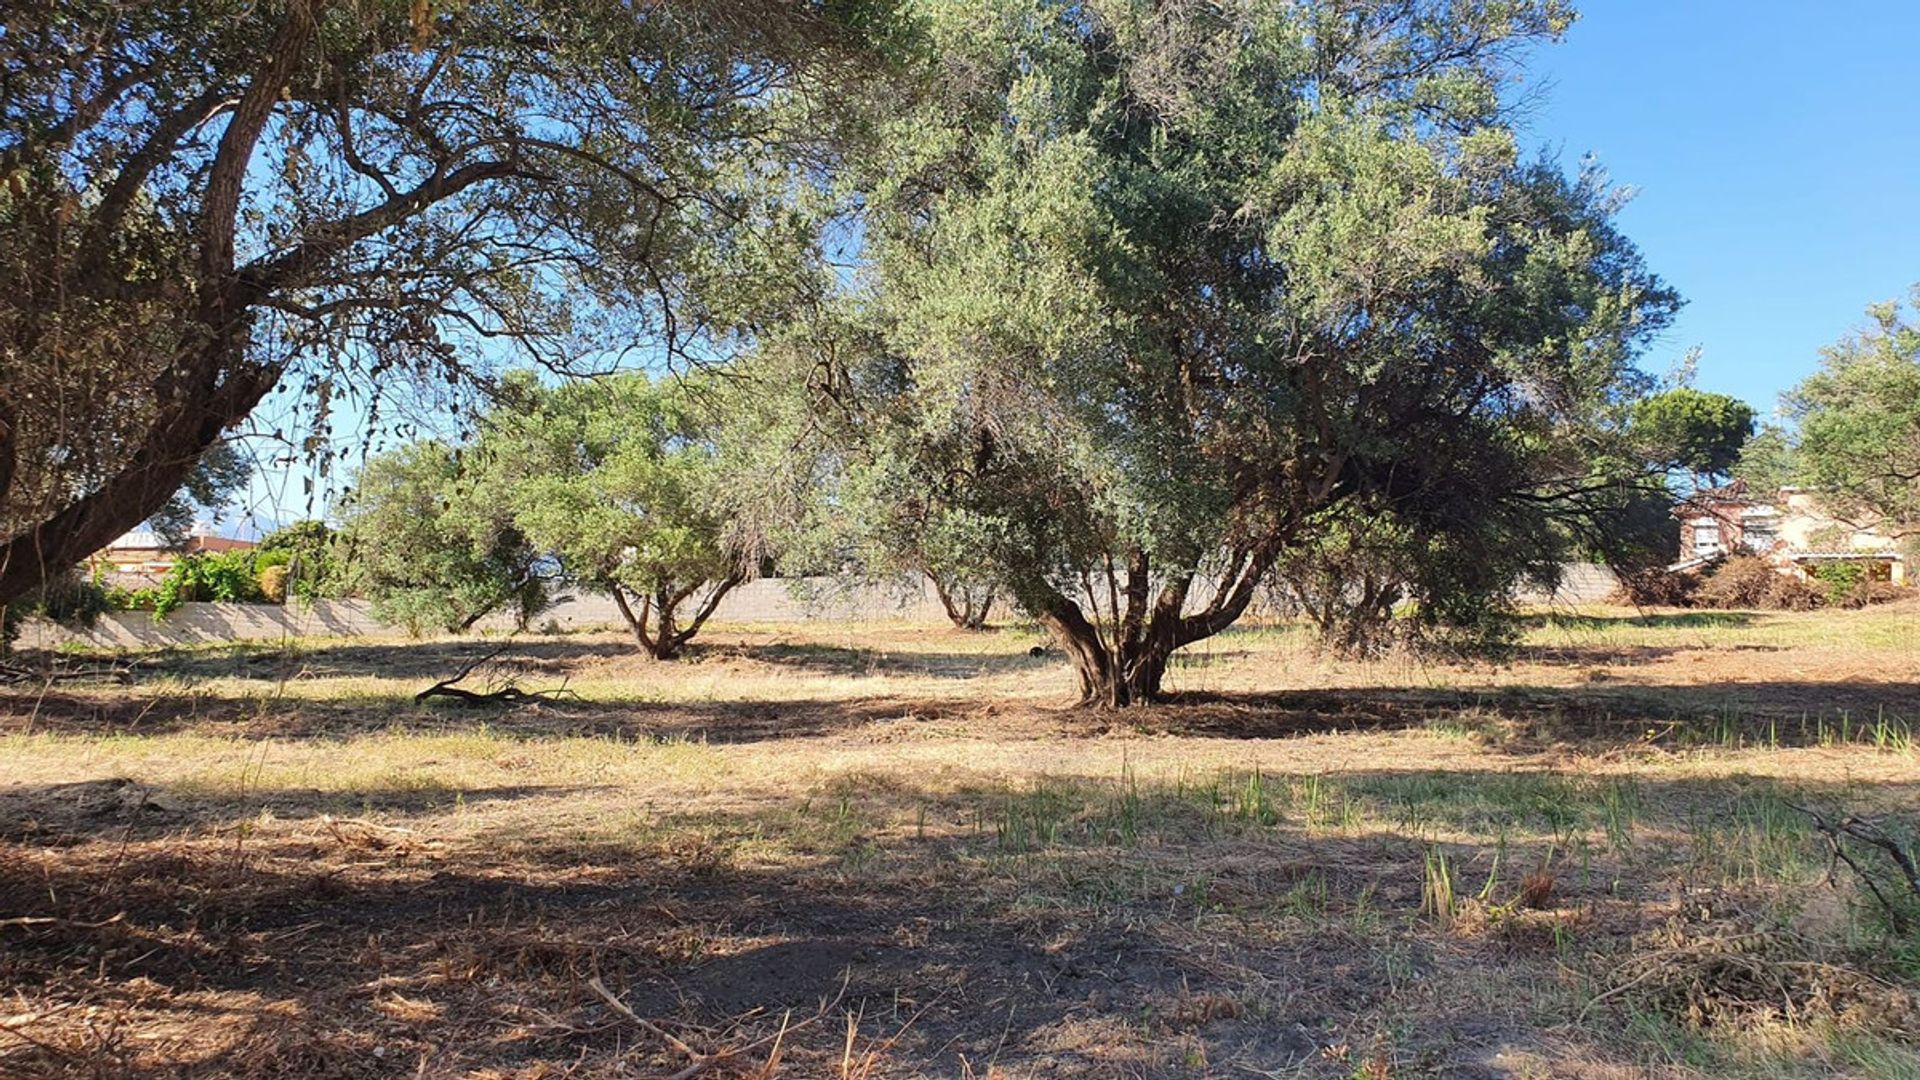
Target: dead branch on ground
x,y
1838,832
509,694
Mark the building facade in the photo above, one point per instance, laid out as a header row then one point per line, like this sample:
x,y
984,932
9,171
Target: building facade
x,y
1789,528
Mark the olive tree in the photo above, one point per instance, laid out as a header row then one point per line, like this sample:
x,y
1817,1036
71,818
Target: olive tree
x,y
619,480
1153,290
431,549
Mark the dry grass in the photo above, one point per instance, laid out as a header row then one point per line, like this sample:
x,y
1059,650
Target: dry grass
x,y
886,851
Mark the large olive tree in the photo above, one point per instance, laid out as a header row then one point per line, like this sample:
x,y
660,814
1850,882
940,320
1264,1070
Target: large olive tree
x,y
1149,291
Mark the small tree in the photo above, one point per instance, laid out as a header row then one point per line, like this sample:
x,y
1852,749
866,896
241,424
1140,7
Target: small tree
x,y
619,481
430,551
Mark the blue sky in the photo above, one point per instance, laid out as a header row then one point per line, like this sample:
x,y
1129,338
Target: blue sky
x,y
1776,149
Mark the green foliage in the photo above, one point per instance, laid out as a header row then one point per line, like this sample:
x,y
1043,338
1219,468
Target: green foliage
x,y
309,552
1148,301
204,201
432,550
71,599
1694,430
619,481
1856,433
209,577
1839,579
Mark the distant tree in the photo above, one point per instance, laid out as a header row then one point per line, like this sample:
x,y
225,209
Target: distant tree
x,y
1146,295
1856,424
204,200
619,481
1693,430
430,551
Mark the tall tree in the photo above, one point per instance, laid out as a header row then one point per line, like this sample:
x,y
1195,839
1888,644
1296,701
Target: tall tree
x,y
1181,278
203,200
1694,431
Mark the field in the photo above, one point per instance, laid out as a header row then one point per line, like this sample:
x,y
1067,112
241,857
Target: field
x,y
888,851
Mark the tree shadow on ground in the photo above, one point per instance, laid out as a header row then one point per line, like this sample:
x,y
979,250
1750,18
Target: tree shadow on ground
x,y
827,659
1601,714
1664,620
1246,940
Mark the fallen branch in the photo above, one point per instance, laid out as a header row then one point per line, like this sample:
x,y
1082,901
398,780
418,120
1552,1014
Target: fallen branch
x,y
1874,835
509,694
698,1062
14,674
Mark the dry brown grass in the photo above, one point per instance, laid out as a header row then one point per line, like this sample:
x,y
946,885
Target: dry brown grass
x,y
886,851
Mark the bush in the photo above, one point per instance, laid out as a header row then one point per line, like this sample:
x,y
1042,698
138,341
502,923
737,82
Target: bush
x,y
1748,581
70,599
1655,586
1840,580
227,576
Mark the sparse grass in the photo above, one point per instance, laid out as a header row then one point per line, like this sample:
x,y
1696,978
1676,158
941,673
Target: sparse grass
x,y
268,859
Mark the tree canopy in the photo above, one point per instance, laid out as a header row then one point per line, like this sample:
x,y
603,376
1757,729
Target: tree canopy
x,y
619,481
1855,424
1147,294
433,551
204,200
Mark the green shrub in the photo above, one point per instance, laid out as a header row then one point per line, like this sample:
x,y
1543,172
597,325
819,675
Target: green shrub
x,y
227,576
311,553
71,599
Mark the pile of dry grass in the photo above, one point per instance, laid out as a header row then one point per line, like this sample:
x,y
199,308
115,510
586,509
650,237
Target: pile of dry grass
x,y
1742,974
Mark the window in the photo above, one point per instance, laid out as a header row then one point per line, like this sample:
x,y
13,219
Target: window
x,y
1706,538
1758,536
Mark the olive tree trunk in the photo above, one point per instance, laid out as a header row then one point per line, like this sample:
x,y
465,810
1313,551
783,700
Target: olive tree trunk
x,y
1122,633
967,606
656,625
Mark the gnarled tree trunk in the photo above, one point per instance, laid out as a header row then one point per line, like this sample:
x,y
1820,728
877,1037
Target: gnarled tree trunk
x,y
967,606
1121,653
656,626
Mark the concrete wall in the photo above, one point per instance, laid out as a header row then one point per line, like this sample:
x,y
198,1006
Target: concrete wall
x,y
194,623
764,601
773,601
1580,583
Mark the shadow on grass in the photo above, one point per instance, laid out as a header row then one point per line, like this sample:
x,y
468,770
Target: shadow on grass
x,y
1664,620
123,809
1596,715
1228,922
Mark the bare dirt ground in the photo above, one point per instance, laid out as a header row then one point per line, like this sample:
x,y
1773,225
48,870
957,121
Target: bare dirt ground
x,y
884,851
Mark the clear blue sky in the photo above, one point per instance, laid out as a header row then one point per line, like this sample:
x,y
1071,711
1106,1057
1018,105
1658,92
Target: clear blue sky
x,y
1775,146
